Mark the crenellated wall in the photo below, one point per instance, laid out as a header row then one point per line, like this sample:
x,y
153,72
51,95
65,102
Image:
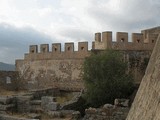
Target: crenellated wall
x,y
42,68
55,68
139,41
56,52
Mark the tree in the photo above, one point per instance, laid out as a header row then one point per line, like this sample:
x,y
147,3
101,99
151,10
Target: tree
x,y
106,78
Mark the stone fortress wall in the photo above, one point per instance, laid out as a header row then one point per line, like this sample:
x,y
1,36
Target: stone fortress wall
x,y
62,69
140,41
57,68
56,52
146,103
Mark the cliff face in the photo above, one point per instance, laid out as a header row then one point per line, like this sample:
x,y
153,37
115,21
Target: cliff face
x,y
146,105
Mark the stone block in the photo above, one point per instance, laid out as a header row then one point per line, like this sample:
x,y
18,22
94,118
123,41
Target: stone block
x,y
6,107
108,106
35,102
6,99
76,115
55,114
23,103
34,116
121,102
47,99
9,117
91,111
53,106
47,103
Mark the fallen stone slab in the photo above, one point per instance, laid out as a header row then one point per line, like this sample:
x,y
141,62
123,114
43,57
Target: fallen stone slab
x,y
24,98
6,99
91,111
67,112
47,99
34,116
6,107
35,102
55,114
48,103
9,117
23,103
76,115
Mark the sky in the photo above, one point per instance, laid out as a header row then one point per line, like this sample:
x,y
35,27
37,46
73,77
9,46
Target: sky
x,y
30,22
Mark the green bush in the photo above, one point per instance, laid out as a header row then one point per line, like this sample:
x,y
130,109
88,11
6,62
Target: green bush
x,y
106,78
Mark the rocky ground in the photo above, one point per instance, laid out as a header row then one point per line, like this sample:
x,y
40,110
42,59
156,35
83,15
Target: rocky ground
x,y
43,105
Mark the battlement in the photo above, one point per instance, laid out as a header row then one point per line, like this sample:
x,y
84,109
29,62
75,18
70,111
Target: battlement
x,y
56,51
44,48
33,49
139,41
56,48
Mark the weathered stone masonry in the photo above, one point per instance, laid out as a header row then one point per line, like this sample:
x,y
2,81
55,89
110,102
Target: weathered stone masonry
x,y
54,69
146,105
62,69
8,80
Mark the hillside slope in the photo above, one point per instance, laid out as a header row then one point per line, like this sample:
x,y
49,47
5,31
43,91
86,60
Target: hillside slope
x,y
7,67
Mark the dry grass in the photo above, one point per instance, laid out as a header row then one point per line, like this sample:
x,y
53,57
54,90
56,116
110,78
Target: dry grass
x,y
8,93
64,97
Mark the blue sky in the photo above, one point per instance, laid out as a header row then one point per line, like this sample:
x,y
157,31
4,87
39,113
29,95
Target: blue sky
x,y
26,22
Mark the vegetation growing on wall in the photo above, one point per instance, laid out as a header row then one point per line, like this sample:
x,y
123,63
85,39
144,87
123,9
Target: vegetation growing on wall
x,y
106,78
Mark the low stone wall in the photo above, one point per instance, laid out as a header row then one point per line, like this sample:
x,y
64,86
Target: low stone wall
x,y
7,103
33,102
37,94
23,103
